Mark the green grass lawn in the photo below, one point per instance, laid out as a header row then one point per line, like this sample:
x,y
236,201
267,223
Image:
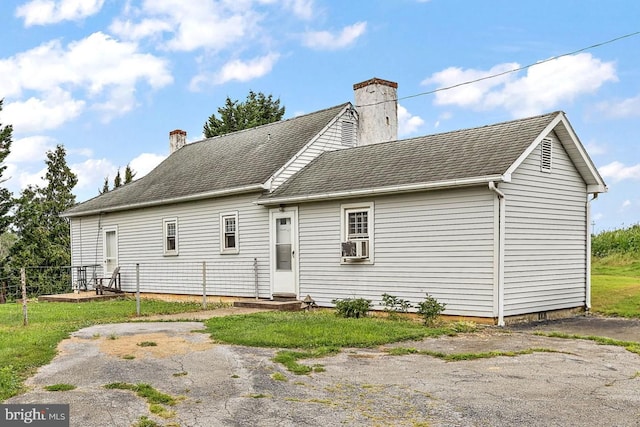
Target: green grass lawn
x,y
25,348
317,333
318,329
615,285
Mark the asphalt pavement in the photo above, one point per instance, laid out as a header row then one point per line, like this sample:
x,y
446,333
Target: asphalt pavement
x,y
560,382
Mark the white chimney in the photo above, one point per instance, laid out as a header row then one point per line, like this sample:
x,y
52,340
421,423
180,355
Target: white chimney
x,y
377,106
177,140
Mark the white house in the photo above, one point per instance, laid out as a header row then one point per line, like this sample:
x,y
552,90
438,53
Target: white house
x,y
493,221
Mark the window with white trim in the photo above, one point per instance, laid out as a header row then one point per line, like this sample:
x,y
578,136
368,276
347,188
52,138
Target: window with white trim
x,y
229,243
170,233
357,233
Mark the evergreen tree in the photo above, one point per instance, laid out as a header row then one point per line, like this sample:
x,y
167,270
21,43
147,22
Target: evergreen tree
x,y
6,198
256,110
117,181
129,174
43,235
105,186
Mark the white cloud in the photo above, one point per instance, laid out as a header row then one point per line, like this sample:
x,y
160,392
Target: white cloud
x,y
545,86
303,9
237,70
212,25
407,123
629,107
324,40
595,149
41,12
625,204
100,66
618,171
30,149
442,116
467,95
144,163
36,114
91,173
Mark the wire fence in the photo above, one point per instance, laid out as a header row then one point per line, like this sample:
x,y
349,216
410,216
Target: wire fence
x,y
228,278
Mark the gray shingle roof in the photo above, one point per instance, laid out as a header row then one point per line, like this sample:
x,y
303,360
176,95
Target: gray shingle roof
x,y
235,160
463,154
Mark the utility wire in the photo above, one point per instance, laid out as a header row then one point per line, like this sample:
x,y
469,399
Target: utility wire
x,y
493,76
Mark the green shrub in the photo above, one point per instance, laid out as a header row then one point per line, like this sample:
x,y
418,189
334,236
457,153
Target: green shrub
x,y
352,307
394,305
430,309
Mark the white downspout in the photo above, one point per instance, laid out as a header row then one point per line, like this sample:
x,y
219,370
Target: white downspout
x,y
587,297
501,232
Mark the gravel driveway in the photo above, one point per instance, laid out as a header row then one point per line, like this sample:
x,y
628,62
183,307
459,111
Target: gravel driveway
x,y
566,382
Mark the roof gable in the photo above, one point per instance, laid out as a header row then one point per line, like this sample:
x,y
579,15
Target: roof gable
x,y
574,148
227,164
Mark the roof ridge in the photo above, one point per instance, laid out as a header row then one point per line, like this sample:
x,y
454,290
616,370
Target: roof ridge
x,y
270,124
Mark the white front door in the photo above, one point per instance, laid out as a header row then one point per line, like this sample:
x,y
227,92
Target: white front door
x,y
284,246
109,250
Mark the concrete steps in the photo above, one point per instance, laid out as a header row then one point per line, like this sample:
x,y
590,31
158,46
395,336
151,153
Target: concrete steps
x,y
286,305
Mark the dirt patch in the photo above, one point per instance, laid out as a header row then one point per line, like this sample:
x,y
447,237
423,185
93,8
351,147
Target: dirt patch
x,y
144,346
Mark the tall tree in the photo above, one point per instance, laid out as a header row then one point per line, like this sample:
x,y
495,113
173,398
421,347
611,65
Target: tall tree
x,y
117,181
129,174
57,197
43,235
256,110
6,198
105,186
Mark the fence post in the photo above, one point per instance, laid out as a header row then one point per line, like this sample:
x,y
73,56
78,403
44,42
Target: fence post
x,y
23,282
3,293
137,289
204,285
255,274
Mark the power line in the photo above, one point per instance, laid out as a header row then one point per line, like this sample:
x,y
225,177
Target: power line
x,y
492,76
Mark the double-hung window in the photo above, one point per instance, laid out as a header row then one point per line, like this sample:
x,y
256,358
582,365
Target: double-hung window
x,y
357,233
229,243
170,232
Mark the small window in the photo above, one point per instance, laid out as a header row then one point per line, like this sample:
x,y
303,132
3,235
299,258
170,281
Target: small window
x,y
170,226
545,155
357,233
229,233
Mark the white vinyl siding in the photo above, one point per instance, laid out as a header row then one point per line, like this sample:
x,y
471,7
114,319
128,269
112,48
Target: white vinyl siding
x,y
545,238
140,240
440,242
331,139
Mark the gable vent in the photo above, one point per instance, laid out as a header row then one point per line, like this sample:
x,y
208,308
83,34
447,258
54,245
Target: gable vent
x,y
348,138
545,155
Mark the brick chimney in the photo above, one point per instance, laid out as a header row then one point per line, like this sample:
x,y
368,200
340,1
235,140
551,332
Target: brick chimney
x,y
177,140
377,106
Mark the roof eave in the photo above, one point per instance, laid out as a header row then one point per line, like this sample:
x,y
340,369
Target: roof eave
x,y
200,196
393,189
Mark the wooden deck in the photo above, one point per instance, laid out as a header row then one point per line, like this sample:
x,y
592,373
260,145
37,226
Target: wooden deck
x,y
82,296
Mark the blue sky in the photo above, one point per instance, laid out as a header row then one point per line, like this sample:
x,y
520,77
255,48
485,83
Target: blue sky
x,y
109,79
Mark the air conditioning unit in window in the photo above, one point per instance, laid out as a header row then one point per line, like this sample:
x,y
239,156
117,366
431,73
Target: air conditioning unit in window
x,y
355,250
